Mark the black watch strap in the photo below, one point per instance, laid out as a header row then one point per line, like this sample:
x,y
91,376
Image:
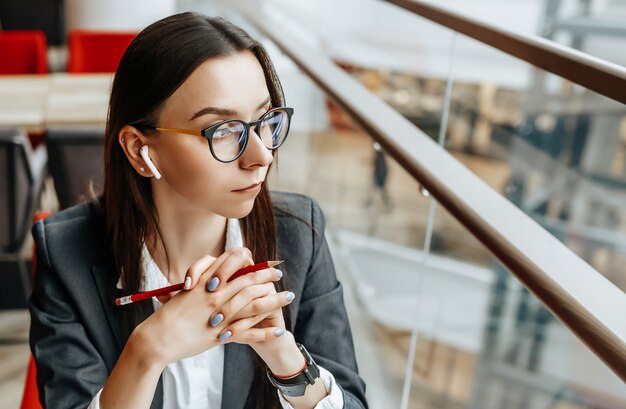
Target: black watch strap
x,y
296,386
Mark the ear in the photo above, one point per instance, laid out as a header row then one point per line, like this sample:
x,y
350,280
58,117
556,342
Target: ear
x,y
131,140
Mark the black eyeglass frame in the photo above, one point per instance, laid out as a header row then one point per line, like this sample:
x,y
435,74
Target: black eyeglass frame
x,y
208,132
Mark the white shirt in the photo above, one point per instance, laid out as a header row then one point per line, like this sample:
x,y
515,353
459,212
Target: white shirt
x,y
194,383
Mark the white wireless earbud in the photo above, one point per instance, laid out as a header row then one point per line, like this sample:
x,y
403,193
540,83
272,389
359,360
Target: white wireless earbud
x,y
144,154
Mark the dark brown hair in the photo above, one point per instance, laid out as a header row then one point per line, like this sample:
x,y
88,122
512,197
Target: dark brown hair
x,y
154,66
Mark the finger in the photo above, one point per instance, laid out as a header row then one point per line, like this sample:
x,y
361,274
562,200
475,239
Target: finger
x,y
244,297
236,258
207,275
209,279
266,304
195,271
260,334
163,298
237,328
267,275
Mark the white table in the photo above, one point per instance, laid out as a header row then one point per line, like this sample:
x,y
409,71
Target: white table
x,y
37,101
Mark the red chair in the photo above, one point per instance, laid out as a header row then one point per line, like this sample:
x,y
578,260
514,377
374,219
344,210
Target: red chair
x,y
96,51
23,52
30,397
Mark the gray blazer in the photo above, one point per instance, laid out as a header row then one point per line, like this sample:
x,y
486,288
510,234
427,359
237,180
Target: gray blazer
x,y
77,334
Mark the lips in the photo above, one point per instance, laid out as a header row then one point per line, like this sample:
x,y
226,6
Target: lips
x,y
248,187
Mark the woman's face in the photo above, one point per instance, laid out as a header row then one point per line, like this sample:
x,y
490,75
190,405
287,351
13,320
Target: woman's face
x,y
231,87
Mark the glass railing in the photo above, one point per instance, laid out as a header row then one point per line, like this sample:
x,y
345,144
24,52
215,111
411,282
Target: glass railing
x,y
454,255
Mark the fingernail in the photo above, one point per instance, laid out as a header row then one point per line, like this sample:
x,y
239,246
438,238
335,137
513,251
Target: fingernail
x,y
212,285
187,283
290,296
216,319
279,273
279,332
225,335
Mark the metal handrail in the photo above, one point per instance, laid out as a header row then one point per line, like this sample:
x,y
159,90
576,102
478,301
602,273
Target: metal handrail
x,y
593,73
584,300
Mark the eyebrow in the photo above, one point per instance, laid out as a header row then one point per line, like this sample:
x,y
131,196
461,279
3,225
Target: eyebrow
x,y
224,111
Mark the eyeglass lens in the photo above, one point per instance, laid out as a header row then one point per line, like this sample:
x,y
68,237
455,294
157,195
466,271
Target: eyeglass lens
x,y
230,138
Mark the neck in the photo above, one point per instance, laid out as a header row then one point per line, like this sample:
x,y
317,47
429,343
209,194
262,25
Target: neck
x,y
187,234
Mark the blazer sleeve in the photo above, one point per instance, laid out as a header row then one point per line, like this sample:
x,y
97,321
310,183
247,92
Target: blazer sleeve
x,y
70,371
322,322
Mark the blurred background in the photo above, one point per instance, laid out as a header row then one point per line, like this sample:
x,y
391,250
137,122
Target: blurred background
x,y
438,320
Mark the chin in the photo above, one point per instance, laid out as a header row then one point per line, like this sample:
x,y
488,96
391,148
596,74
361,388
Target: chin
x,y
238,210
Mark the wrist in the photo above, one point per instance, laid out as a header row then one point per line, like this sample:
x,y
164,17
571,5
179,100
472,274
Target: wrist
x,y
145,351
281,355
138,365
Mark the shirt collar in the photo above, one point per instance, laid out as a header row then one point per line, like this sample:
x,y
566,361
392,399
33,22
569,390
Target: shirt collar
x,y
151,275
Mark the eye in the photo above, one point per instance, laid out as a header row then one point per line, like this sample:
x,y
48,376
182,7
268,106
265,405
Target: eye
x,y
220,133
231,129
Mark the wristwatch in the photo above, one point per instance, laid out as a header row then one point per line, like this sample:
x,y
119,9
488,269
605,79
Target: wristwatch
x,y
296,386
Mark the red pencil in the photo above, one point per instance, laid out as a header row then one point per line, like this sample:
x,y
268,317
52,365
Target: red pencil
x,y
177,287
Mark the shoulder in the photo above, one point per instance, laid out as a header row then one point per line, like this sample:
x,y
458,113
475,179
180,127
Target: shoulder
x,y
299,218
299,230
75,214
71,230
298,208
76,217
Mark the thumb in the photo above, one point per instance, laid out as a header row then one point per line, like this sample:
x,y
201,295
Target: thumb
x,y
165,297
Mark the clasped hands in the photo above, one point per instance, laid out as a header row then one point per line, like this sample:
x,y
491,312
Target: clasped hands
x,y
212,311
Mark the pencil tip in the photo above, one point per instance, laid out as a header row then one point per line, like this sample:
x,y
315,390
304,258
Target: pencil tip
x,y
275,263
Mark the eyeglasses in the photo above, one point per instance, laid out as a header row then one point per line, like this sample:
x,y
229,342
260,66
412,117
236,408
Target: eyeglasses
x,y
228,139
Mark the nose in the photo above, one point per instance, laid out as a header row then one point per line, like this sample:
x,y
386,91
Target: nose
x,y
256,153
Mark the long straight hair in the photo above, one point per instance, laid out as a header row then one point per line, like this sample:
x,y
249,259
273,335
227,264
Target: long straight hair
x,y
154,66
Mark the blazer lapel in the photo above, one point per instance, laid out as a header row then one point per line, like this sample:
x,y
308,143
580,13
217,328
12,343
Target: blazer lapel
x,y
105,280
238,375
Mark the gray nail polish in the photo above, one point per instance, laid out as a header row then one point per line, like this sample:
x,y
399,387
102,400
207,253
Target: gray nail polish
x,y
212,285
280,274
225,335
290,296
217,319
279,332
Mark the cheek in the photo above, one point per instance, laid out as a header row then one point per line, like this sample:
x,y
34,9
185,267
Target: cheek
x,y
192,171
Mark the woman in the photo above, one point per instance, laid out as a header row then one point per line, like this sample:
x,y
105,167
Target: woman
x,y
195,116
